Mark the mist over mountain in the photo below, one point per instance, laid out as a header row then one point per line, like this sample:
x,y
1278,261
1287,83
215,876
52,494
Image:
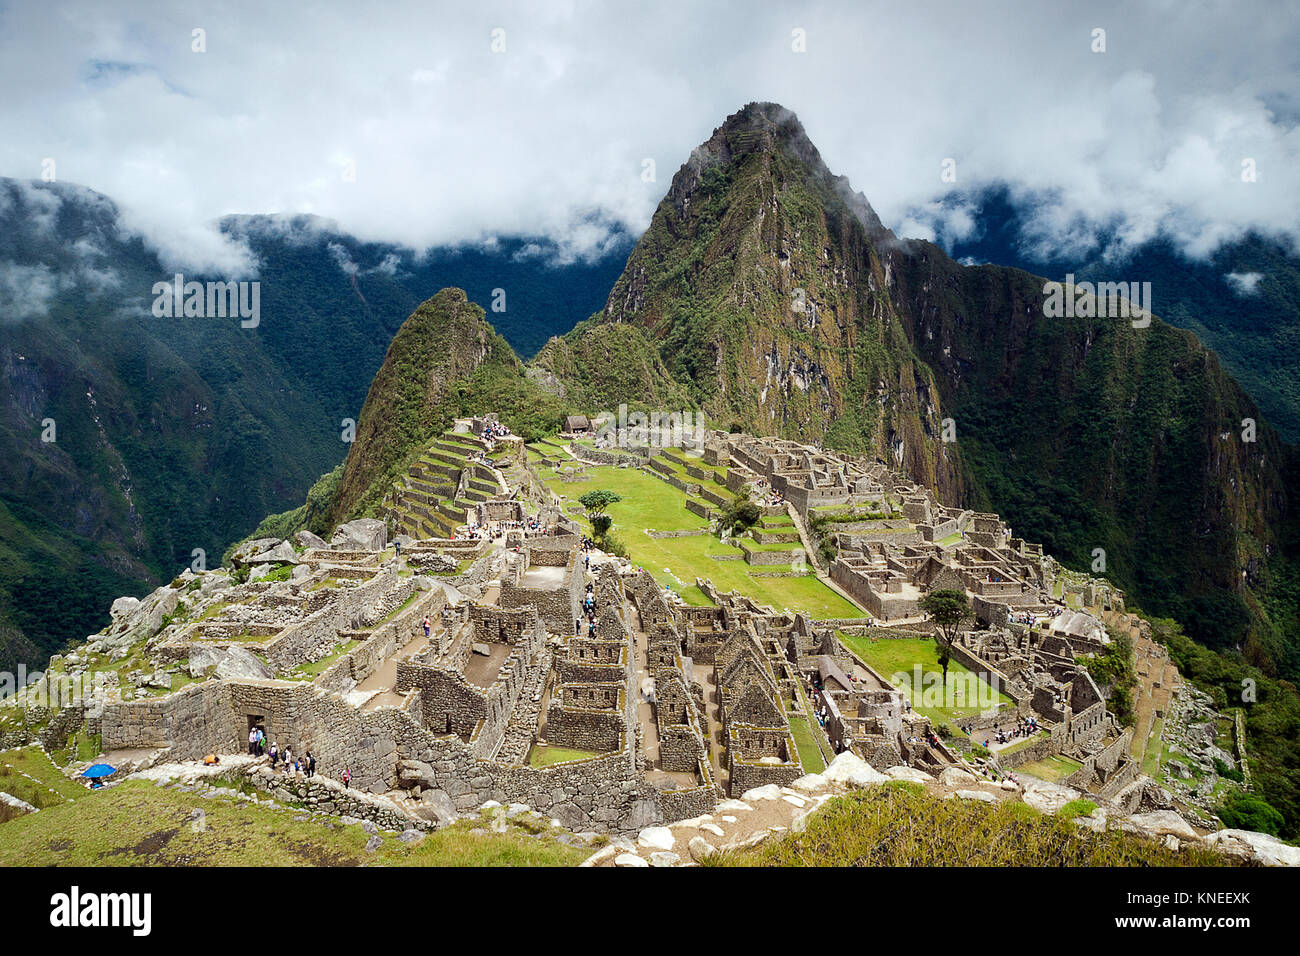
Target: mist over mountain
x,y
1242,300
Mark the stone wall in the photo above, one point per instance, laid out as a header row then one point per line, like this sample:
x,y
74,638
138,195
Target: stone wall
x,y
317,635
746,775
765,556
330,796
601,793
557,607
194,721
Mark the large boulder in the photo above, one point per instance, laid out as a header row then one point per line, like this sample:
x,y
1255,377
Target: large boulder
x,y
306,539
908,775
957,777
1251,847
437,807
227,663
161,604
850,770
363,534
124,607
246,549
240,662
282,553
656,838
1048,797
415,773
1160,823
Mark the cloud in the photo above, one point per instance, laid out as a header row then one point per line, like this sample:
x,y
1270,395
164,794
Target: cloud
x,y
1244,283
401,124
340,254
26,291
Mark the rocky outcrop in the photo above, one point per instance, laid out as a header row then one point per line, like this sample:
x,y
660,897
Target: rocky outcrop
x,y
361,534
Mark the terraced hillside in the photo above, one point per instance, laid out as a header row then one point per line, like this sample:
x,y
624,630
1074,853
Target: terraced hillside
x,y
440,486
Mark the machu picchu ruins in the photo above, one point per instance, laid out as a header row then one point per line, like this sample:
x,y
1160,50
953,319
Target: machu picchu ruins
x,y
473,647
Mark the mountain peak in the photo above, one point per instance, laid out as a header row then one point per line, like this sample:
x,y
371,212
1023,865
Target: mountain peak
x,y
771,130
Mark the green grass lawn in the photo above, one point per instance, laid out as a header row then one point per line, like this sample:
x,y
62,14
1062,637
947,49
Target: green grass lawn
x,y
1155,749
139,824
693,596
28,774
809,755
650,502
541,756
891,658
1051,769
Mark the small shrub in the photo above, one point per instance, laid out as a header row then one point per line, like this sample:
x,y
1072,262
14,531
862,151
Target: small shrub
x,y
1076,808
1246,811
1228,773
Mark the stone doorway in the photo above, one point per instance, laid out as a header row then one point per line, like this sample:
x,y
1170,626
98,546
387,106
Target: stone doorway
x,y
258,722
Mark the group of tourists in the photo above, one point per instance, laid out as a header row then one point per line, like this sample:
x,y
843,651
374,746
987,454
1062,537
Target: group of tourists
x,y
822,715
1033,620
589,612
1025,727
304,766
496,529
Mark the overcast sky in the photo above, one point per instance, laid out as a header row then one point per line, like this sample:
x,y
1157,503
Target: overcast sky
x,y
450,141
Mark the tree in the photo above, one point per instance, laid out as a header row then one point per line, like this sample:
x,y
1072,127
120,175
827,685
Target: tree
x,y
596,502
949,610
740,514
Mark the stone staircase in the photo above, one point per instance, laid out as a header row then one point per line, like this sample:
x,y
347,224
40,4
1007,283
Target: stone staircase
x,y
440,488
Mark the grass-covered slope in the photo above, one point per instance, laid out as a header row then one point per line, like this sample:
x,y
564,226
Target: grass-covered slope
x,y
445,340
901,825
139,824
598,366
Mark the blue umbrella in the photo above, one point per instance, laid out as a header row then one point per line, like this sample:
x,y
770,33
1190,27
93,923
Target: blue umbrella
x,y
99,770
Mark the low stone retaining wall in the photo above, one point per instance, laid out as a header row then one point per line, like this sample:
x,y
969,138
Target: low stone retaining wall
x,y
764,556
330,796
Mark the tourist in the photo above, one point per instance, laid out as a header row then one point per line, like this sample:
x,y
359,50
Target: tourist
x,y
252,742
275,755
311,765
288,760
427,626
347,778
